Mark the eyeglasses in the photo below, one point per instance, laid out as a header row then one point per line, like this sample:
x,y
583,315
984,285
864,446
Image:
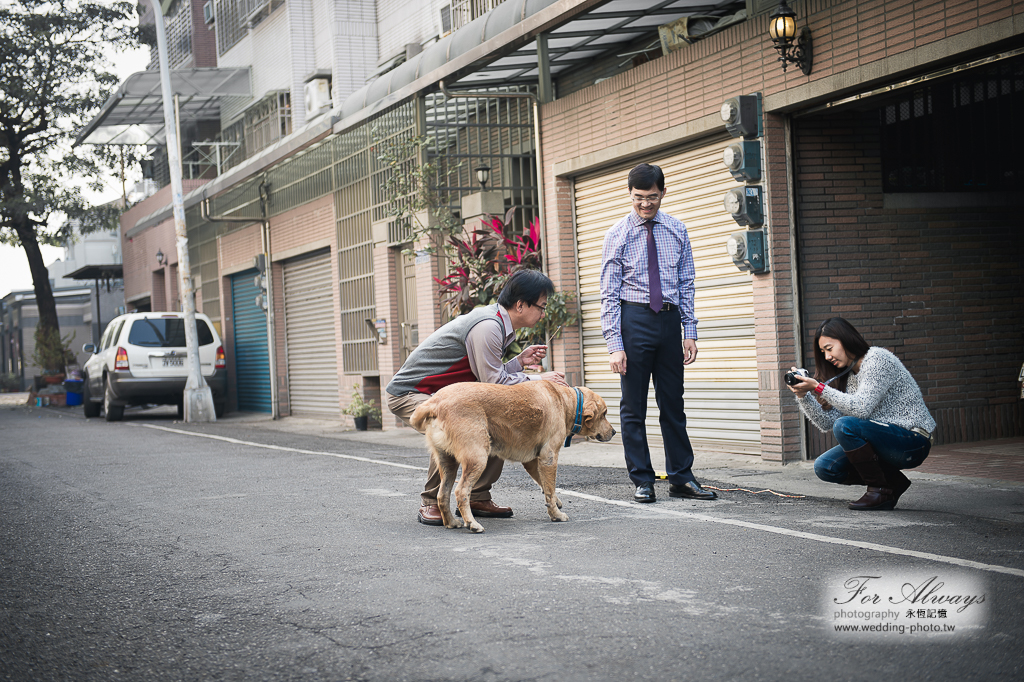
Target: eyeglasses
x,y
543,308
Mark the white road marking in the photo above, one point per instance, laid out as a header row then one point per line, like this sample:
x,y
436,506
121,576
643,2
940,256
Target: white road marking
x,y
799,534
928,556
282,448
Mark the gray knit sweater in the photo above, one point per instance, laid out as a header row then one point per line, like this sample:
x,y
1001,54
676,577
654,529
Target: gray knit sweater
x,y
882,390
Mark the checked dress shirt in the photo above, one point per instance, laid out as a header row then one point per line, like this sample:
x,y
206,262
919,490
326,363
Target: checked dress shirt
x,y
624,272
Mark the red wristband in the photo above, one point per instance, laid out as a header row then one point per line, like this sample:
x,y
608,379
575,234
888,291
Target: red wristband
x,y
819,388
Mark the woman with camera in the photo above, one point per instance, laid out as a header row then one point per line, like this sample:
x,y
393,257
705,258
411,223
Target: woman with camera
x,y
874,408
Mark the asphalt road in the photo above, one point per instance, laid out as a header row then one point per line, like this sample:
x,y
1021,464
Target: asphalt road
x,y
146,550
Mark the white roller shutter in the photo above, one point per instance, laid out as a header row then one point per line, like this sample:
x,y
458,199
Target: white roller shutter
x,y
309,337
721,399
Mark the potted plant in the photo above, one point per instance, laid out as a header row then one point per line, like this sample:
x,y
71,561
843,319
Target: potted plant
x,y
52,354
360,410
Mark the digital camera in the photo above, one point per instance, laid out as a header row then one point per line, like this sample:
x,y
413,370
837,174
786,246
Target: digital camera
x,y
791,377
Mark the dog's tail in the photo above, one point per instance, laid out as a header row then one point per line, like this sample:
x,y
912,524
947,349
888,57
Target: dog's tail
x,y
423,414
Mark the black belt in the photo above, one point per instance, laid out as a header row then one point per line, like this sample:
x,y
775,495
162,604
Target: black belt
x,y
664,306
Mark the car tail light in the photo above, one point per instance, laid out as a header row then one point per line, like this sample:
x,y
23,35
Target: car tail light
x,y
121,359
220,364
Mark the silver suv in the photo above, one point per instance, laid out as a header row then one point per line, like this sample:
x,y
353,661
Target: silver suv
x,y
141,360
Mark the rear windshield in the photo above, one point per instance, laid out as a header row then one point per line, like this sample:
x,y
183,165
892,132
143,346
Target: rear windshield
x,y
166,332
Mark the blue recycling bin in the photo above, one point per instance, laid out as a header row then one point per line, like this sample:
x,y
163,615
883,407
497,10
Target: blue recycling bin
x,y
74,392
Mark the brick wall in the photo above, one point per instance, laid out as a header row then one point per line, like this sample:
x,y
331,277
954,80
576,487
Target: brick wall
x,y
942,287
675,99
204,38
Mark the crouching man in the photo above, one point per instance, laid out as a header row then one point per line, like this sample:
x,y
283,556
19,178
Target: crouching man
x,y
470,348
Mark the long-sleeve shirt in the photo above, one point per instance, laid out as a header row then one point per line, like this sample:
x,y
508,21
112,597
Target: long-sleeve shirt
x,y
469,348
882,390
624,272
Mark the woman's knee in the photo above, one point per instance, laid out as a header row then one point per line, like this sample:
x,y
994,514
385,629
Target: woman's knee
x,y
831,466
826,473
848,432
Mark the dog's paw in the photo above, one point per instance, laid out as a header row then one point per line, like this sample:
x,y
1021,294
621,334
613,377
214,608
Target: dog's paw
x,y
455,523
476,527
558,516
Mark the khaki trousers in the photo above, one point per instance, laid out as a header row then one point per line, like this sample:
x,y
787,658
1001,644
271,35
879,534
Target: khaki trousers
x,y
402,406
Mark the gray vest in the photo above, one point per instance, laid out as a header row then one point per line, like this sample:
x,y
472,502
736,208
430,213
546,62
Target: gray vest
x,y
442,359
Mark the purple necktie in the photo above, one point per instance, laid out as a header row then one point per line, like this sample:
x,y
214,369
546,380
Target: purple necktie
x,y
653,271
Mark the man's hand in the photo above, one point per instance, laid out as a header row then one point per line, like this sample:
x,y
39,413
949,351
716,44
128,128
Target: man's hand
x,y
617,360
533,355
689,351
556,377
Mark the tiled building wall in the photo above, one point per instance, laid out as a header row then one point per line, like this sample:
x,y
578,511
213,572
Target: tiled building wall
x,y
941,287
675,99
139,251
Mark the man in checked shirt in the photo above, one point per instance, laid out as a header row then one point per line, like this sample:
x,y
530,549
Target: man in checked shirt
x,y
647,318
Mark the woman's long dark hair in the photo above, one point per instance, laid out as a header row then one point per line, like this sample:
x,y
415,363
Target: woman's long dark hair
x,y
853,343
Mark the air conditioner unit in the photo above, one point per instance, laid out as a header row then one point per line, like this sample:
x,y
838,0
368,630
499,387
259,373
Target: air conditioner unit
x,y
208,12
318,96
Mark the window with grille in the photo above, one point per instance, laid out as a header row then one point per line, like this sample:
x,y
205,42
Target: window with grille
x,y
236,17
464,11
956,136
178,27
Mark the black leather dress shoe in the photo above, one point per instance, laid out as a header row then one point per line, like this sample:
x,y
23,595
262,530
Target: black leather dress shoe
x,y
644,493
691,490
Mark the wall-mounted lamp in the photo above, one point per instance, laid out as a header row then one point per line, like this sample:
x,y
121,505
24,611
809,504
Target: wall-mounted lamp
x,y
159,257
793,47
483,174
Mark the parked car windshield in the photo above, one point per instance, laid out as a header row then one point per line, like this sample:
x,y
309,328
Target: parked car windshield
x,y
166,332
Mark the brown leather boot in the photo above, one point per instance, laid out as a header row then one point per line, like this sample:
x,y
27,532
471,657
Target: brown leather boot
x,y
897,481
879,495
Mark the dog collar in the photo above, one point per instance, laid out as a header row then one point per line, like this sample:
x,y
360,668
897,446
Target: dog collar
x,y
577,423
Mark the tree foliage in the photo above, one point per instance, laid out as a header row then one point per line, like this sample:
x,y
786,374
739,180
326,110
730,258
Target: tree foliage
x,y
55,78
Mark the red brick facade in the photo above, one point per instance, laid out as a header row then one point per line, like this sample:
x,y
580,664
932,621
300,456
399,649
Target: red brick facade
x,y
857,47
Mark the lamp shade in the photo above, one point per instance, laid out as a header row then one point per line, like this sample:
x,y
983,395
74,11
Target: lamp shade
x,y
483,174
782,24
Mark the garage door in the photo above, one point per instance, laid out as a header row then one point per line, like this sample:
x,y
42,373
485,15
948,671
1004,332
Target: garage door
x,y
252,357
309,337
721,386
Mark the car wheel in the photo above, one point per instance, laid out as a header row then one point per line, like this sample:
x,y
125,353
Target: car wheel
x,y
89,408
111,412
218,409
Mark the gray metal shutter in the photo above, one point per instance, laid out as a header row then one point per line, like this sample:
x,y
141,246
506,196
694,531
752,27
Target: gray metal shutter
x,y
721,386
252,357
309,337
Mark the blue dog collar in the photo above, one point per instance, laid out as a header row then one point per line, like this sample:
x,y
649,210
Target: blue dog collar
x,y
577,423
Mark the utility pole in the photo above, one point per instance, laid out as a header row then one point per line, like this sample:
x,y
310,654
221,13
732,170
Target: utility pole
x,y
198,399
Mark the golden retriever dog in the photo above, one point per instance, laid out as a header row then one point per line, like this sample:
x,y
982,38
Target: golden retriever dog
x,y
466,423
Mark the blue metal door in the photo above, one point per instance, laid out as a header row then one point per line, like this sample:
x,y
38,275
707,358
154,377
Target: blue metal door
x,y
252,360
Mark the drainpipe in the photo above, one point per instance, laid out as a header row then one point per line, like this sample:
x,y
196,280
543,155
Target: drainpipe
x,y
204,211
536,141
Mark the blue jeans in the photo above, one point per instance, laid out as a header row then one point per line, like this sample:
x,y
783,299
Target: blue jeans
x,y
895,446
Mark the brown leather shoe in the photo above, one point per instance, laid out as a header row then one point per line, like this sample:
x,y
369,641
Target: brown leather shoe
x,y
875,499
487,509
430,515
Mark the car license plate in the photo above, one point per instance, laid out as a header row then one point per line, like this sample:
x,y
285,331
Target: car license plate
x,y
174,362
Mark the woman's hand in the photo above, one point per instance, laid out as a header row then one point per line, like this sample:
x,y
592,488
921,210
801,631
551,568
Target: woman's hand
x,y
803,386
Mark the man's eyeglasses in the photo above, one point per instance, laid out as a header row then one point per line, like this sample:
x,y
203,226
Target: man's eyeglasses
x,y
543,308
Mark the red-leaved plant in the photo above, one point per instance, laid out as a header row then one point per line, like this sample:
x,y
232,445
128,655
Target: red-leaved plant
x,y
481,264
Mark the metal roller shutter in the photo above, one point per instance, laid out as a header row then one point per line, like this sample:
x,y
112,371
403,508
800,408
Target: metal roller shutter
x,y
309,337
252,357
721,386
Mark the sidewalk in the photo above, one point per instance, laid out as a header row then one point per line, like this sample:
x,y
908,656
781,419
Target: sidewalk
x,y
963,466
984,477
